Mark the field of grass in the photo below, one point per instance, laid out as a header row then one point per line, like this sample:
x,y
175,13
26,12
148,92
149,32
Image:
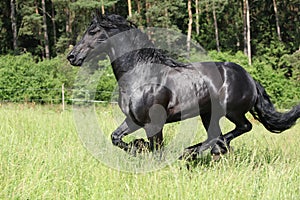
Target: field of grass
x,y
42,157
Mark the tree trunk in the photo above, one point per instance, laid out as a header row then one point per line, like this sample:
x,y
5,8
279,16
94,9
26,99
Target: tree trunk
x,y
277,20
216,27
69,21
245,27
189,33
248,32
148,6
129,8
138,4
166,25
39,29
53,24
197,17
207,11
238,43
102,8
14,24
139,10
45,27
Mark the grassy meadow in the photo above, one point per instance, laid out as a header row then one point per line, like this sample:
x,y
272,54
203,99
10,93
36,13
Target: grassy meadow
x,y
42,157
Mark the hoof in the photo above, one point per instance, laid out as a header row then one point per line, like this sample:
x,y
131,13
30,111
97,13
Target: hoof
x,y
189,155
220,148
216,157
138,146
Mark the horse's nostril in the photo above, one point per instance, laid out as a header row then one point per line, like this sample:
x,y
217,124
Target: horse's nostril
x,y
71,57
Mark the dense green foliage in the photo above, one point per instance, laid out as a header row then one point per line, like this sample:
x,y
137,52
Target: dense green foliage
x,y
28,76
24,79
67,19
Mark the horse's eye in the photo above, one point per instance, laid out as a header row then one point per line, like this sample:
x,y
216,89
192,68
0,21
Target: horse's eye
x,y
92,32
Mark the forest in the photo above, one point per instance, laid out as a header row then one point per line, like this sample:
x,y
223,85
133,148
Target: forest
x,y
36,35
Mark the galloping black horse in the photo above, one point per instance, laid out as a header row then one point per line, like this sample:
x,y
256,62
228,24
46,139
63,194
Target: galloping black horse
x,y
154,89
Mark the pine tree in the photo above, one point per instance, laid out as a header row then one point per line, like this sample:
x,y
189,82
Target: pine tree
x,y
45,28
189,31
14,24
277,20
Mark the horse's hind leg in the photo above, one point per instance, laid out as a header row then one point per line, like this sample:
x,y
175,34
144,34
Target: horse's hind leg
x,y
213,134
242,126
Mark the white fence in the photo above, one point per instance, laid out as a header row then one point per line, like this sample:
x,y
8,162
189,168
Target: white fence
x,y
66,95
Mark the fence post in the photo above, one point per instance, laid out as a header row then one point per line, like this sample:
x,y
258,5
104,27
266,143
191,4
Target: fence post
x,y
63,96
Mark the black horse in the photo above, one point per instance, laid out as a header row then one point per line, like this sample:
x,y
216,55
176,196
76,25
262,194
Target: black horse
x,y
154,89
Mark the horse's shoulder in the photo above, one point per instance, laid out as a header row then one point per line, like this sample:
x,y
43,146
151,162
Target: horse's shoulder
x,y
233,65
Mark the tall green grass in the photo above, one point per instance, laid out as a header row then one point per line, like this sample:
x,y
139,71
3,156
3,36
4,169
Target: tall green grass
x,y
42,157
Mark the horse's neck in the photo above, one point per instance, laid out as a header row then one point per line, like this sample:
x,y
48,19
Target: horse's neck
x,y
124,48
128,41
123,64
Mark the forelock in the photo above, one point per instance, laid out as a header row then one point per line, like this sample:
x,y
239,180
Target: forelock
x,y
114,21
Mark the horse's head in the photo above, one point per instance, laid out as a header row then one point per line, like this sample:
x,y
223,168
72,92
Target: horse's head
x,y
100,29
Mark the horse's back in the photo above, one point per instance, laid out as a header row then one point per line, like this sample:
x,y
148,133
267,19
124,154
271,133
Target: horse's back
x,y
230,83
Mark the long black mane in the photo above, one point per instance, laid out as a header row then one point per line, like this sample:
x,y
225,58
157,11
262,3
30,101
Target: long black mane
x,y
113,21
149,53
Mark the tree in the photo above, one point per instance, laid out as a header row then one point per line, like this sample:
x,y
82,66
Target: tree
x,y
277,20
148,6
53,22
215,7
166,17
189,31
248,33
247,36
129,8
39,27
216,27
14,24
45,27
102,7
138,4
29,34
218,24
197,17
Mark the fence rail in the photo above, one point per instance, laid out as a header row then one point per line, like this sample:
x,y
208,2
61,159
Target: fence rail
x,y
65,95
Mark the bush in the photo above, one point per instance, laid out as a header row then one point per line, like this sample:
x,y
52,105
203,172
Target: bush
x,y
23,79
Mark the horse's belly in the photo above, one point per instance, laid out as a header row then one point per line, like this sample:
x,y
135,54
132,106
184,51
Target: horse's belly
x,y
179,116
192,107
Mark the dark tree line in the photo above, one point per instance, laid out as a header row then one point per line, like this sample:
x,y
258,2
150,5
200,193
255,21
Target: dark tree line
x,y
47,27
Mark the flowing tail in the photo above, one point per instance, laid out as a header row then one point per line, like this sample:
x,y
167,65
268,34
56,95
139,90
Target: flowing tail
x,y
264,111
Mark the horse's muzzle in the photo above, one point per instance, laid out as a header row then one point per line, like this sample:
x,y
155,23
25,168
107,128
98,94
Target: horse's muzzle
x,y
72,58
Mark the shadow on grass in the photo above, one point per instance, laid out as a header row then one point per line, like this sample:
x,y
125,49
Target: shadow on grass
x,y
241,157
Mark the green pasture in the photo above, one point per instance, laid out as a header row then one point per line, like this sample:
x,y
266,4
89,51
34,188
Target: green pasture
x,y
42,157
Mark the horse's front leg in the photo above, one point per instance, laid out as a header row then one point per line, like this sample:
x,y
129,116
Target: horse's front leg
x,y
127,127
156,140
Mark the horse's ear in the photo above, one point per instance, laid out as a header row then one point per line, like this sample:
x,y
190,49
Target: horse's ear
x,y
99,15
